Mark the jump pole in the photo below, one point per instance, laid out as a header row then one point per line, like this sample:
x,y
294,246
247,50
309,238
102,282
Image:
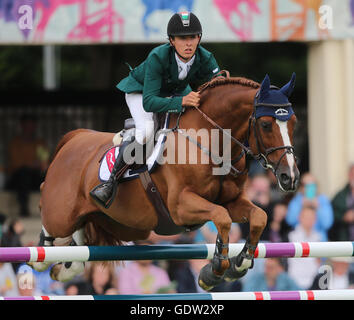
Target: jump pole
x,y
261,295
172,252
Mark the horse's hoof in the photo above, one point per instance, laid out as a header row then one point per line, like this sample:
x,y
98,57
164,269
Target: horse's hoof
x,y
60,272
207,278
39,266
233,272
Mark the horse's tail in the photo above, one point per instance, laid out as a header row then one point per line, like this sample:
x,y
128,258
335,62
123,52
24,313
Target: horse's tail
x,y
96,234
68,136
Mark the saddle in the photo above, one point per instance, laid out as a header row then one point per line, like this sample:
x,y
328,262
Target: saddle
x,y
165,225
127,134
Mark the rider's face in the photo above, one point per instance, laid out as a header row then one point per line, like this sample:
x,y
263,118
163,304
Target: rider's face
x,y
185,45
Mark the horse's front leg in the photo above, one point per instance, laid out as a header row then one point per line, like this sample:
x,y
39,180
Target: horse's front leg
x,y
193,209
244,210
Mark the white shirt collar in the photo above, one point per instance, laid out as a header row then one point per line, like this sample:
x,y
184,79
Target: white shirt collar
x,y
183,67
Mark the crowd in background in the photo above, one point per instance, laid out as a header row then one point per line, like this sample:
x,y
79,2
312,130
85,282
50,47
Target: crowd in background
x,y
307,215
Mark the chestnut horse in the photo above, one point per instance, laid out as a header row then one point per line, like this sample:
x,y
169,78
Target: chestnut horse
x,y
261,122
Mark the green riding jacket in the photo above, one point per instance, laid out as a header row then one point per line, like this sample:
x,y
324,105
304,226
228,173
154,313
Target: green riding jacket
x,y
157,78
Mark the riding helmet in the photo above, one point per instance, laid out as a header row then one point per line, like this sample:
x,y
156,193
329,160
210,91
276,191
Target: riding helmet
x,y
184,24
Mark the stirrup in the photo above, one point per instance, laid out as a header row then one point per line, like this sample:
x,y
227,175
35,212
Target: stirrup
x,y
114,190
107,204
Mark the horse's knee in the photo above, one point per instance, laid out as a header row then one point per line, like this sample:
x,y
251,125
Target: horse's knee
x,y
221,217
258,221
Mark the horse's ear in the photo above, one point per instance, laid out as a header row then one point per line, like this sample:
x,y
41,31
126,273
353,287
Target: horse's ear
x,y
289,87
265,86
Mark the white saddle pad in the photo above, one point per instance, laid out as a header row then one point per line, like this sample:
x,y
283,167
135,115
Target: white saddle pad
x,y
111,155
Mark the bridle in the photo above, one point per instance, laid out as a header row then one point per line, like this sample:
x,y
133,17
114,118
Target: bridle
x,y
261,157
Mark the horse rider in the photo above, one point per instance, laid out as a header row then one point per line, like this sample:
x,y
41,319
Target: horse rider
x,y
162,83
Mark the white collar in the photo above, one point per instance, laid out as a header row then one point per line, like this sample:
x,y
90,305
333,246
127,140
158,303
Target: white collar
x,y
183,67
188,63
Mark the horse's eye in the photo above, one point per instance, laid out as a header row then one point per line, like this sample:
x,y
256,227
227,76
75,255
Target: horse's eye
x,y
266,125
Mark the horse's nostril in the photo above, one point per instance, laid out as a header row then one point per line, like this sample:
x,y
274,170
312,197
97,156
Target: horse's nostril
x,y
285,179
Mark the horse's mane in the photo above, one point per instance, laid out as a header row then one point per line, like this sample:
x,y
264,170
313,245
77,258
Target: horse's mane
x,y
220,81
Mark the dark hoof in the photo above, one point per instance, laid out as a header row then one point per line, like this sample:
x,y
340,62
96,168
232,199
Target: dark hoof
x,y
208,279
231,274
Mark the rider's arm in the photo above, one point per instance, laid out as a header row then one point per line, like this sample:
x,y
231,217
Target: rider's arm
x,y
152,102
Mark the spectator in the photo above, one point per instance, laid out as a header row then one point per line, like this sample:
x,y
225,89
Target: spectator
x,y
77,286
27,162
303,271
46,284
278,227
274,278
308,195
12,237
208,233
187,277
71,289
339,276
142,277
259,192
343,207
101,277
186,237
8,281
275,193
2,222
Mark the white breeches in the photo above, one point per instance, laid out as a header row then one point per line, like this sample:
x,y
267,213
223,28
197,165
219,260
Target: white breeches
x,y
144,121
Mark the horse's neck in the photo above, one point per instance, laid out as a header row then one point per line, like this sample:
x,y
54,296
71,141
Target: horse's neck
x,y
232,112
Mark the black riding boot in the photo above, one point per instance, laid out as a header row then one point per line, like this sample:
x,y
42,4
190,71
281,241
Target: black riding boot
x,y
104,193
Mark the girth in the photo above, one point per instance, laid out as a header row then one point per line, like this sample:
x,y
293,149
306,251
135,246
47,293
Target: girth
x,y
165,225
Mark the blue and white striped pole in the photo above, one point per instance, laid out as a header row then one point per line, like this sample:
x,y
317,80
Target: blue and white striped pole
x,y
172,252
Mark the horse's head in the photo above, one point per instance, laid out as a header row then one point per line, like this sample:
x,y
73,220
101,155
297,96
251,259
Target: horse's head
x,y
271,132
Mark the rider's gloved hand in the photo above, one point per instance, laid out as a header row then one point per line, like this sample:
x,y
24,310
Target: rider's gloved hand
x,y
191,99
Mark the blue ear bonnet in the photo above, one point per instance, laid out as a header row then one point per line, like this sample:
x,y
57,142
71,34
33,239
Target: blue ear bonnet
x,y
272,101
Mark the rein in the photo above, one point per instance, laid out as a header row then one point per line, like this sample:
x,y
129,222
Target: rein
x,y
262,158
245,150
